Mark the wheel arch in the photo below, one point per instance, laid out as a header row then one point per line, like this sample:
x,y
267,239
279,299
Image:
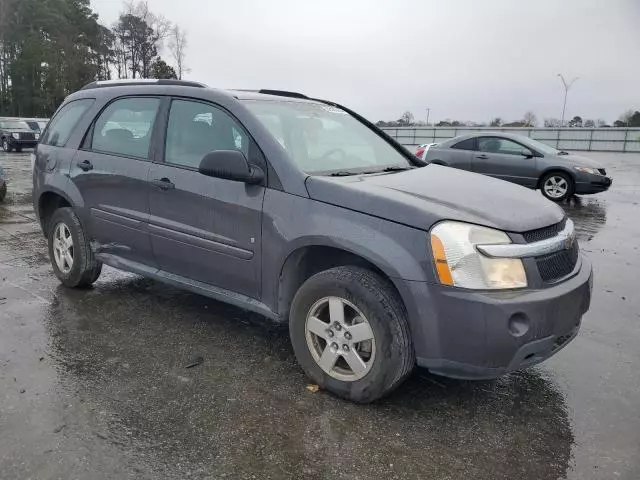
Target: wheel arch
x,y
48,202
306,260
554,169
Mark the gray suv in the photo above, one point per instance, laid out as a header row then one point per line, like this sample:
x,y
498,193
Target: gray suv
x,y
303,211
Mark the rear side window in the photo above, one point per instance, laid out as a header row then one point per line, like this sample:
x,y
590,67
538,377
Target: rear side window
x,y
64,122
125,127
468,144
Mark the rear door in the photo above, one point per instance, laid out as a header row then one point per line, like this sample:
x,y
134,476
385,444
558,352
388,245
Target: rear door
x,y
111,170
506,159
203,228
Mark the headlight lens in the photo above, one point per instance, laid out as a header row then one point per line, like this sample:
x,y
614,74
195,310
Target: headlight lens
x,y
592,171
460,264
16,136
37,136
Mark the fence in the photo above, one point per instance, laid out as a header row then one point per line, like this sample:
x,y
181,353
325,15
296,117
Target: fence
x,y
587,139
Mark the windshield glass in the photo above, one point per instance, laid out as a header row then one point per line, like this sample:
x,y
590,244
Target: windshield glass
x,y
541,147
14,124
322,139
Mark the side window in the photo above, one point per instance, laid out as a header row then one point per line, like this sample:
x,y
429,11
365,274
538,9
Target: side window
x,y
499,145
125,126
61,126
468,144
196,129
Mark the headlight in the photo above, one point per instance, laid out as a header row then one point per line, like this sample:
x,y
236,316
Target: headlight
x,y
593,171
16,136
460,264
36,136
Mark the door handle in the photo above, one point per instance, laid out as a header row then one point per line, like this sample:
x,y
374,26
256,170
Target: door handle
x,y
85,165
163,183
483,157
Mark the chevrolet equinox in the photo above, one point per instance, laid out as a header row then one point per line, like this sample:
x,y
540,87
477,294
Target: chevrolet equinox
x,y
303,211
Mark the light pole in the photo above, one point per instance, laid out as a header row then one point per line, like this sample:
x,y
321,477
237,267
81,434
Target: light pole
x,y
567,86
428,111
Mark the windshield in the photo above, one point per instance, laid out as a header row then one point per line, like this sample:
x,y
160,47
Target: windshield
x,y
323,139
541,147
14,124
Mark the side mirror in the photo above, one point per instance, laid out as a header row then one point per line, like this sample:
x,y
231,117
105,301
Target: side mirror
x,y
527,153
230,165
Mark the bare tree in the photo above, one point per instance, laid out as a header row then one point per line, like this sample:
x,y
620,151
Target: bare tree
x,y
552,122
529,119
495,122
588,123
406,119
601,122
177,47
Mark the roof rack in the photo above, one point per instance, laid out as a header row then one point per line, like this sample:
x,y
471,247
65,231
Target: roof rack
x,y
141,81
282,93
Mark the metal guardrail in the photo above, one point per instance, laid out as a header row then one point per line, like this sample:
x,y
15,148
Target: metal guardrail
x,y
586,139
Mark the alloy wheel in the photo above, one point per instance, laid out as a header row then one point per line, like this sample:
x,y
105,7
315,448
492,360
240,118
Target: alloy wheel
x,y
340,339
556,186
63,248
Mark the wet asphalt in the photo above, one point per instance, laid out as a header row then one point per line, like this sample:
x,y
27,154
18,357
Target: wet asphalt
x,y
96,383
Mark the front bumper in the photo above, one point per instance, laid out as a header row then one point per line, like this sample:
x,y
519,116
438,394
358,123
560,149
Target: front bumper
x,y
588,183
478,335
22,143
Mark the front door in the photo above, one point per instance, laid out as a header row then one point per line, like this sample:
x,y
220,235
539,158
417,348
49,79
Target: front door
x,y
505,159
111,171
203,228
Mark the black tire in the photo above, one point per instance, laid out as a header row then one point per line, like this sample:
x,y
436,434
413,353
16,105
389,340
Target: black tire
x,y
571,186
85,268
3,191
379,303
6,146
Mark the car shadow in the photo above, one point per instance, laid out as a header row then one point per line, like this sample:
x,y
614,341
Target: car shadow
x,y
127,347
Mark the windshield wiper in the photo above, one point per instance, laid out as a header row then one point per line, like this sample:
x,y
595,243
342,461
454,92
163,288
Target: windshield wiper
x,y
342,174
398,168
562,152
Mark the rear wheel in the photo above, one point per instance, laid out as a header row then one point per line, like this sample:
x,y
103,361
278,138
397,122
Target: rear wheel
x,y
71,256
350,334
557,186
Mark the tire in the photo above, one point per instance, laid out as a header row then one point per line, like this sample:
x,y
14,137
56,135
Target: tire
x,y
5,145
367,294
84,268
563,189
3,191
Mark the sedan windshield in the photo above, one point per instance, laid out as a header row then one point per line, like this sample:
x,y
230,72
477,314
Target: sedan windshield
x,y
541,147
323,139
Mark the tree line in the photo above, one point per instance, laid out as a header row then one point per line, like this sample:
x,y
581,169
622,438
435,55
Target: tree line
x,y
630,118
51,48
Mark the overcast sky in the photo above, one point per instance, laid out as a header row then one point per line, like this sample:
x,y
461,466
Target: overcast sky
x,y
465,59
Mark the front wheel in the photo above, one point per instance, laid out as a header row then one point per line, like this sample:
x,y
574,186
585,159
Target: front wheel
x,y
71,255
557,186
350,333
3,190
5,145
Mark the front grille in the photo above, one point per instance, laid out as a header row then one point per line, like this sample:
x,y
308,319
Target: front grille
x,y
602,171
544,233
557,265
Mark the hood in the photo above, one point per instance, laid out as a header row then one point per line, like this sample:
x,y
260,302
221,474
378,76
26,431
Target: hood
x,y
578,161
423,196
18,130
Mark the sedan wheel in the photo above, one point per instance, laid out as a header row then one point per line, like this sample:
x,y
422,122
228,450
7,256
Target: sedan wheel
x,y
557,186
5,145
340,339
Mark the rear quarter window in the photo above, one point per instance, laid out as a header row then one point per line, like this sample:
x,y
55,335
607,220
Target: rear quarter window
x,y
62,124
